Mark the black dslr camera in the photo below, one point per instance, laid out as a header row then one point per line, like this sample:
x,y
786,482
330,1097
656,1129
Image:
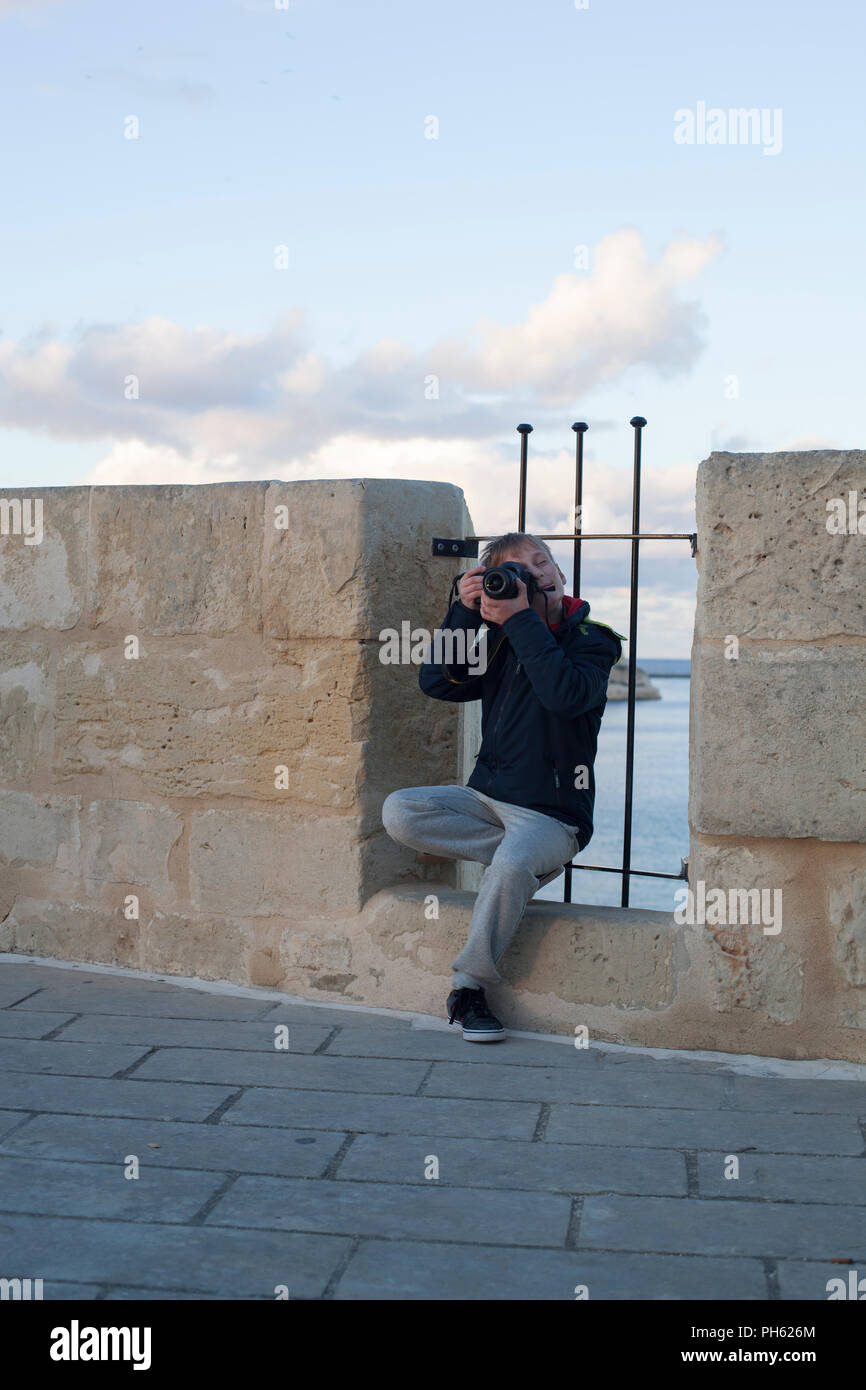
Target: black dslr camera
x,y
501,581
497,582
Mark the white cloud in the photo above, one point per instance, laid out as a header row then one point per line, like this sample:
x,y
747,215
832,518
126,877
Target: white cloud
x,y
134,462
592,328
665,620
804,441
308,376
269,396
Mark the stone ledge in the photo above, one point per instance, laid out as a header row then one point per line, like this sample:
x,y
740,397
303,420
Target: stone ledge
x,y
567,964
631,975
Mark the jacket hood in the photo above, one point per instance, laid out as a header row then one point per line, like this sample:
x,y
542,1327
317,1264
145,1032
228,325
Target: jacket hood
x,y
571,607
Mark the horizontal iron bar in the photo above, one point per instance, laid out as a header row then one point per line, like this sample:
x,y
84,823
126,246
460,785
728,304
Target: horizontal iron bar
x,y
604,869
608,536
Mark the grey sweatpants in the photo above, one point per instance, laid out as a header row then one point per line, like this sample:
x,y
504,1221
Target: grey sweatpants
x,y
522,849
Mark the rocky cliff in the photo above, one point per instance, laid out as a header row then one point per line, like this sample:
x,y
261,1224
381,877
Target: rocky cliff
x,y
617,688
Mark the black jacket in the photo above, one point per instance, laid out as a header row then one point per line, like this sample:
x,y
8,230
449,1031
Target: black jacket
x,y
542,698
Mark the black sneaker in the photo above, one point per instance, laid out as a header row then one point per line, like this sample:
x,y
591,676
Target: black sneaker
x,y
469,1007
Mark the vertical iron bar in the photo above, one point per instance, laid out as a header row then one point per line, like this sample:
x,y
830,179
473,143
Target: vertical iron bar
x,y
580,429
637,422
524,431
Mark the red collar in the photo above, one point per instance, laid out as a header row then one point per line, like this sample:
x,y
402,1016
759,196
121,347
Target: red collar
x,y
569,605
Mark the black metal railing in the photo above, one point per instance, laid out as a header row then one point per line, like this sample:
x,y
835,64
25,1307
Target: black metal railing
x,y
635,536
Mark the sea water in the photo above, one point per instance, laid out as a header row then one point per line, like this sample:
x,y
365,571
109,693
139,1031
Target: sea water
x,y
659,828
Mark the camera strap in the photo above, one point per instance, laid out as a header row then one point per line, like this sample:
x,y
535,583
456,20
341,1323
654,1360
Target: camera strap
x,y
452,598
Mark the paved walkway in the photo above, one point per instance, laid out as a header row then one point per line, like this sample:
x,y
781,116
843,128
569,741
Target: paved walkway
x,y
307,1168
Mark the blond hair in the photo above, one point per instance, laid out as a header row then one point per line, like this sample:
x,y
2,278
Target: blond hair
x,y
514,540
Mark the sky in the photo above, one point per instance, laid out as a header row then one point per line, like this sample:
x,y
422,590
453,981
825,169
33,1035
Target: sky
x,y
248,240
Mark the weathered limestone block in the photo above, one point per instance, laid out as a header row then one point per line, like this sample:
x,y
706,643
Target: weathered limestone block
x,y
321,955
314,566
26,699
205,948
71,931
753,968
262,863
39,831
127,845
591,955
44,585
176,559
847,910
356,557
777,742
406,581
414,744
611,956
768,567
386,861
213,719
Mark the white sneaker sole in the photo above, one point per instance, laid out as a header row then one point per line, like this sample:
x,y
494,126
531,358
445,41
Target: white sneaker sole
x,y
483,1037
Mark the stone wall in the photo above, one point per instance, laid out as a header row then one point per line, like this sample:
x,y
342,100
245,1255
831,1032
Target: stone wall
x,y
196,731
778,747
197,734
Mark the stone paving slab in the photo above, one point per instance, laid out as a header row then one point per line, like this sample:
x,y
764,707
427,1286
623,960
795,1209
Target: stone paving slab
x,y
558,1166
728,1131
56,1187
569,1168
150,1295
586,1085
803,1097
9,1120
54,1290
157,1003
719,1227
412,1270
239,1149
97,1095
438,1044
255,1036
64,1058
14,991
384,1114
473,1215
636,1060
335,1018
25,1023
809,1279
786,1177
39,974
236,1263
284,1069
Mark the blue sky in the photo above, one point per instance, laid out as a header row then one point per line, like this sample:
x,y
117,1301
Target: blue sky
x,y
304,127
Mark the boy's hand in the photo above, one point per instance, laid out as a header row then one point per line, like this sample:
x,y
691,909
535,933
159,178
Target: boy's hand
x,y
499,610
470,589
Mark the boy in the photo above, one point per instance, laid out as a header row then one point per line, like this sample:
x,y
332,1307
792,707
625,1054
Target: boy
x,y
526,810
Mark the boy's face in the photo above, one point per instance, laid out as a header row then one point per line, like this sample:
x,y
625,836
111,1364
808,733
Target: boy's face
x,y
547,575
